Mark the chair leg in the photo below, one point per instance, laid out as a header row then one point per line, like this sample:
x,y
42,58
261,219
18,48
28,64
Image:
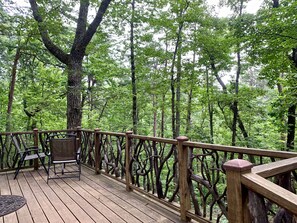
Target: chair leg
x,y
79,170
20,163
42,162
48,169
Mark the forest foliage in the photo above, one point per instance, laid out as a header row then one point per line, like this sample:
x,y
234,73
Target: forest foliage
x,y
224,80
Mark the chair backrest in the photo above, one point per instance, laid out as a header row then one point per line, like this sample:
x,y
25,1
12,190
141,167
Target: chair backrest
x,y
63,149
18,143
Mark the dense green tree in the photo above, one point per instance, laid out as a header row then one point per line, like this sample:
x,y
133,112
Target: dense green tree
x,y
72,55
218,80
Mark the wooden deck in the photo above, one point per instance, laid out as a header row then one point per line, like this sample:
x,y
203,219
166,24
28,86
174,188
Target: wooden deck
x,y
95,198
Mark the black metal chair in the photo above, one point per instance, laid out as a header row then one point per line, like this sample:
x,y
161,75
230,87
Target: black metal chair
x,y
25,153
64,151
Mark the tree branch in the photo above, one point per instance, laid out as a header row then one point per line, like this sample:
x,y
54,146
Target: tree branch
x,y
96,22
81,23
52,48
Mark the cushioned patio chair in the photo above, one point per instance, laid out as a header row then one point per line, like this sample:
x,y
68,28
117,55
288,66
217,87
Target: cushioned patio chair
x,y
25,153
64,151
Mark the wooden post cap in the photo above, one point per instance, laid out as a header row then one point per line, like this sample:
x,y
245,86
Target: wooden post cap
x,y
182,138
129,132
238,165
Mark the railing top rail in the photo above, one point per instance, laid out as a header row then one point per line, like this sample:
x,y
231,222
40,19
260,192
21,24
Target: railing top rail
x,y
242,150
112,133
155,139
271,191
57,131
275,168
9,133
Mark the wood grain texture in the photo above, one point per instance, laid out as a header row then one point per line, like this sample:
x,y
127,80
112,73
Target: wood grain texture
x,y
273,192
95,198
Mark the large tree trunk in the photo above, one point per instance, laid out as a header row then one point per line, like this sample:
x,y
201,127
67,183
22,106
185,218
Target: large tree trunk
x,y
74,107
83,34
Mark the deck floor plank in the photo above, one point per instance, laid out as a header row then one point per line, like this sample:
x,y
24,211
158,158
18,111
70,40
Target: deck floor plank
x,y
36,210
71,191
5,190
94,202
72,205
49,210
22,213
94,198
142,204
116,209
55,200
100,185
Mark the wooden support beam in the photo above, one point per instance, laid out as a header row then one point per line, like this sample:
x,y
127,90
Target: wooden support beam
x,y
128,160
184,191
237,195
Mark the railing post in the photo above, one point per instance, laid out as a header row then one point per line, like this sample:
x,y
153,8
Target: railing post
x,y
127,160
35,139
78,132
184,192
237,194
98,158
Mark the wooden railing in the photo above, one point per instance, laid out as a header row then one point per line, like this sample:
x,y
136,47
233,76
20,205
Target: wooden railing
x,y
186,176
250,193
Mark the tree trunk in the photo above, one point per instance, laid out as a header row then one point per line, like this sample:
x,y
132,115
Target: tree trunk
x,y
155,115
209,85
178,84
236,86
291,127
83,35
292,112
172,87
133,75
190,97
11,88
74,107
240,123
163,116
173,106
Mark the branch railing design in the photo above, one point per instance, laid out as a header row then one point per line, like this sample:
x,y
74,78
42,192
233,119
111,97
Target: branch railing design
x,y
186,176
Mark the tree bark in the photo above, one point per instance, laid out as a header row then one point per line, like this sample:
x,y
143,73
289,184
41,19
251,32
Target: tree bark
x,y
72,60
209,85
133,74
291,127
240,123
178,86
236,86
190,97
11,88
173,105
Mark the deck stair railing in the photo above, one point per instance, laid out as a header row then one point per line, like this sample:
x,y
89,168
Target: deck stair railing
x,y
189,177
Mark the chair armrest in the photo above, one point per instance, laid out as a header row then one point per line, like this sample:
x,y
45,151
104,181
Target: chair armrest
x,y
78,154
30,149
78,151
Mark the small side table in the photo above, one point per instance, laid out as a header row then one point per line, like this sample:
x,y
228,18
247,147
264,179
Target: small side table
x,y
10,203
